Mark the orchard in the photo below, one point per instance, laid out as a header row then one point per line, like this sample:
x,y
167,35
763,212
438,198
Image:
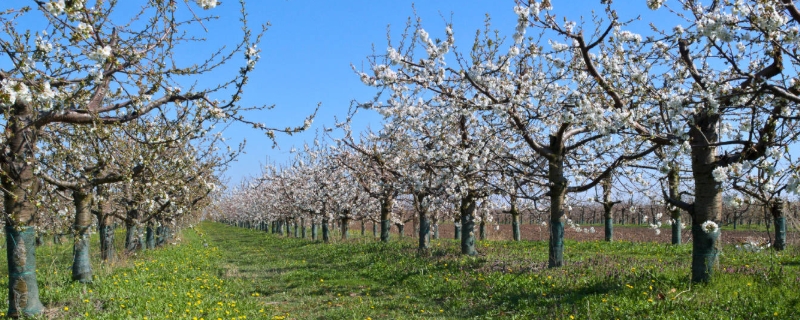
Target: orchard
x,y
572,133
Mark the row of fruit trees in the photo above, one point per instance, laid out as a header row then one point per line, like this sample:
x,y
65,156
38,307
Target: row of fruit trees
x,y
559,114
105,124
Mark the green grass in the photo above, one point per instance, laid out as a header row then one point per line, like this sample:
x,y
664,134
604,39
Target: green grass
x,y
174,282
247,273
361,279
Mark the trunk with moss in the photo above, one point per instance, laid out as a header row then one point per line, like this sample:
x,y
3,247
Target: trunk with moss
x,y
457,230
467,211
313,230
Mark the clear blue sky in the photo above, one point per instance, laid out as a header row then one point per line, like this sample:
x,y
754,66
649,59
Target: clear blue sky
x,y
307,52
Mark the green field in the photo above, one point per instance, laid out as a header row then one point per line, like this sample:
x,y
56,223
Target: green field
x,y
246,274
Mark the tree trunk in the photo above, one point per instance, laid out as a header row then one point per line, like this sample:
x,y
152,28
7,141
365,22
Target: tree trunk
x,y
467,211
779,219
23,290
436,230
558,190
386,224
374,229
132,242
457,228
106,238
482,230
673,178
401,229
424,232
303,227
313,230
345,228
516,234
326,232
608,209
363,228
708,198
19,187
149,236
515,219
81,266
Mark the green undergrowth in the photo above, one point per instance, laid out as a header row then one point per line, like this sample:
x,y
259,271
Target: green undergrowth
x,y
221,272
177,281
363,279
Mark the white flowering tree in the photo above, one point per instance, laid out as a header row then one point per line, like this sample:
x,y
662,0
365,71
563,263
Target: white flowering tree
x,y
75,63
375,166
722,91
765,181
524,93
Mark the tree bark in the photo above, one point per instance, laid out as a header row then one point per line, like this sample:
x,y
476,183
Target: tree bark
x,y
19,191
326,233
81,265
515,219
345,228
608,209
149,236
708,197
673,180
558,190
779,220
386,210
106,238
467,211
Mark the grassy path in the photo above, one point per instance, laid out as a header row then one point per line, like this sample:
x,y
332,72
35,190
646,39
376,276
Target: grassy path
x,y
361,279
